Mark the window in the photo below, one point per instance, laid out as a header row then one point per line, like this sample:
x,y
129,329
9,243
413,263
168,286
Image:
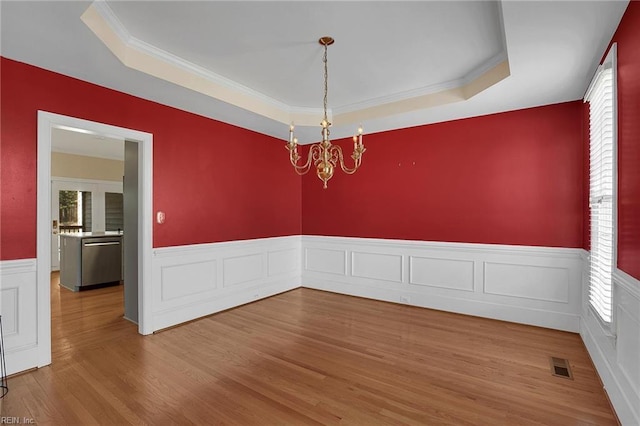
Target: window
x,y
75,211
601,96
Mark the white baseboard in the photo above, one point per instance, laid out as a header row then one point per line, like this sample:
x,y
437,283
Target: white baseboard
x,y
478,308
199,280
530,285
19,307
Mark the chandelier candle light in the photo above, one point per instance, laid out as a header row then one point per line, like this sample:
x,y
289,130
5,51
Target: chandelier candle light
x,y
324,155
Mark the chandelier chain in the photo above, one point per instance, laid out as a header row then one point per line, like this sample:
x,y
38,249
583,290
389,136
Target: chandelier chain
x,y
326,85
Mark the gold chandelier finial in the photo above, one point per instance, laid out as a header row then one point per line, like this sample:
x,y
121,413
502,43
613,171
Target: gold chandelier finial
x,y
324,155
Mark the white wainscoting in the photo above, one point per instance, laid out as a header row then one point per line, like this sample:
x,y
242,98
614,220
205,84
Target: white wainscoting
x,y
18,307
615,351
531,285
540,286
194,281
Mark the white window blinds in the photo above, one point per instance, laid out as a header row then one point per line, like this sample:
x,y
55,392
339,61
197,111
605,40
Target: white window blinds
x,y
602,127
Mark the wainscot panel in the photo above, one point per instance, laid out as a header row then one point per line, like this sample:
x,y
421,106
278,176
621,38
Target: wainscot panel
x,y
540,282
531,285
325,261
283,262
194,281
196,278
445,273
18,305
615,348
242,269
376,266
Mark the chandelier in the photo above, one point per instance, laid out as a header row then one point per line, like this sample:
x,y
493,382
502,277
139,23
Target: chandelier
x,y
323,155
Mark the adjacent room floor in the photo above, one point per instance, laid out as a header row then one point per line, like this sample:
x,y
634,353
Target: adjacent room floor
x,y
304,357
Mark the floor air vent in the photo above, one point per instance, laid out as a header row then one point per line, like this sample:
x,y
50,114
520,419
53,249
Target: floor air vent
x,y
560,367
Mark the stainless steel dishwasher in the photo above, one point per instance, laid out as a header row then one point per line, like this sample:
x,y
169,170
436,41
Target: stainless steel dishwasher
x,y
101,260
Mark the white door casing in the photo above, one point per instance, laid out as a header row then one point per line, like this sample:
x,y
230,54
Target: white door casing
x,y
46,122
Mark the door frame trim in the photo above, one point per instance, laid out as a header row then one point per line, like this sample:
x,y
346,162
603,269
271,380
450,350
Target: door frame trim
x,y
46,122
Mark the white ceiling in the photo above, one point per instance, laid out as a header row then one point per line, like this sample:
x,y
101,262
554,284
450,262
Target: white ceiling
x,y
266,53
81,142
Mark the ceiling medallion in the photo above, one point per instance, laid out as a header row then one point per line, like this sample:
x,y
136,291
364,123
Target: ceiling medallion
x,y
323,155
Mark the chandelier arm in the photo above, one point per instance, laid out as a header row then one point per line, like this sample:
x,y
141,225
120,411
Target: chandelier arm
x,y
337,150
316,150
334,154
300,169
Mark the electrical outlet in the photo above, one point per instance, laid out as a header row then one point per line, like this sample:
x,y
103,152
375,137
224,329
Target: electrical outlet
x,y
404,299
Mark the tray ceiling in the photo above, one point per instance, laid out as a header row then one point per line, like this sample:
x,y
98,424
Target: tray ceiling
x,y
258,64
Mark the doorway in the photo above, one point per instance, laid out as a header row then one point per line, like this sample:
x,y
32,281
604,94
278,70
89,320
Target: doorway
x,y
47,122
83,205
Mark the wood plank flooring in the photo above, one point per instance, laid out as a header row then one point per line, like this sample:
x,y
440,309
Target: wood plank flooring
x,y
304,357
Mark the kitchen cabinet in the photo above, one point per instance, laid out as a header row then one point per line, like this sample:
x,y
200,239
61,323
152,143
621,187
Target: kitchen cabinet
x,y
90,258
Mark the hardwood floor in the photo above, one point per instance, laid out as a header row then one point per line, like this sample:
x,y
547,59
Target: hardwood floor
x,y
304,357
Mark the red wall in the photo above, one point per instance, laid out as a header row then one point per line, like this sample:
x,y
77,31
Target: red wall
x,y
509,178
628,38
586,145
214,181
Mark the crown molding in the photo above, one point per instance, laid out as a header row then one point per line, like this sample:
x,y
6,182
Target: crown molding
x,y
399,97
112,20
427,90
428,99
144,57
